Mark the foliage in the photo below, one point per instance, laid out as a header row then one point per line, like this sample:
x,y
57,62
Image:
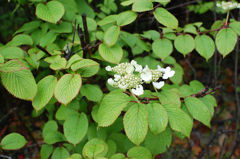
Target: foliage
x,y
72,49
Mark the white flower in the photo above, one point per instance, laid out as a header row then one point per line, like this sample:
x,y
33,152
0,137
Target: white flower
x,y
159,68
129,69
133,62
108,68
146,75
117,77
124,87
168,73
138,90
111,81
158,85
138,68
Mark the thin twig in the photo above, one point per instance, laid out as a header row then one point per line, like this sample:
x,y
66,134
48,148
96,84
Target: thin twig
x,y
85,27
81,37
44,50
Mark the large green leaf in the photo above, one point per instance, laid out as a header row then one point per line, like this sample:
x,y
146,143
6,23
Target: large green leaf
x,y
28,27
139,152
107,20
21,39
86,67
92,92
235,26
67,88
95,148
19,81
136,123
12,53
205,46
60,153
226,40
142,5
46,151
158,143
13,141
198,110
44,92
75,128
162,48
184,44
126,18
111,35
111,54
165,18
157,118
169,97
111,107
51,12
179,120
51,135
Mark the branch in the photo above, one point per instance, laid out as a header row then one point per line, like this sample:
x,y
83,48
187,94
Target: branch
x,y
43,49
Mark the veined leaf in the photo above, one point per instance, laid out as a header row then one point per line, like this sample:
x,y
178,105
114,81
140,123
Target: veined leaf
x,y
19,80
95,148
75,128
51,12
166,18
205,46
126,18
60,153
45,92
12,53
142,5
139,152
67,88
184,44
136,123
162,48
13,141
198,110
111,35
225,41
111,54
111,107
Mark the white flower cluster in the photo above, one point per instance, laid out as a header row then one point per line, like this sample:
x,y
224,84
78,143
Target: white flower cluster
x,y
228,5
132,76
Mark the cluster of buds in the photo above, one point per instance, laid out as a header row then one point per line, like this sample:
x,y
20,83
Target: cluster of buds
x,y
228,5
132,75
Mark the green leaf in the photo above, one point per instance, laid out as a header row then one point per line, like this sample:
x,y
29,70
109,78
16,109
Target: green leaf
x,y
162,48
1,60
56,62
28,27
86,67
136,123
111,107
111,35
20,81
111,54
60,153
196,86
125,18
95,148
210,102
92,92
166,18
157,118
64,112
169,97
67,88
44,92
91,23
205,46
21,39
139,152
198,110
12,53
46,151
48,38
178,120
158,143
13,141
184,44
75,156
51,12
63,27
142,6
225,41
75,128
107,20
118,156
235,26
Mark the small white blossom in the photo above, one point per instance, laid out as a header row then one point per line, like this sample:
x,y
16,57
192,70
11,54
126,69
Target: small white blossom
x,y
228,5
133,62
160,68
129,69
138,68
124,87
117,77
168,73
158,85
108,68
111,81
138,90
146,74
